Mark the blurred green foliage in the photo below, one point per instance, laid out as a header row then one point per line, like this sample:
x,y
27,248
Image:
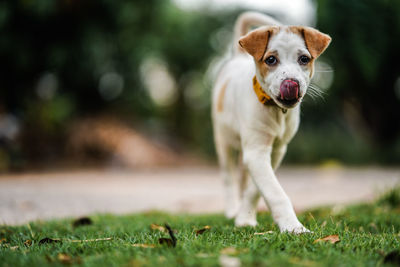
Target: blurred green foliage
x,y
359,121
55,53
78,42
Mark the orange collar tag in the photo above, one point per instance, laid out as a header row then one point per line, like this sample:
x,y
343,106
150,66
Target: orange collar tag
x,y
262,96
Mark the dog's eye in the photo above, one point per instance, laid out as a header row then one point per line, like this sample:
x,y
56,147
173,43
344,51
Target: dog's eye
x,y
303,60
271,60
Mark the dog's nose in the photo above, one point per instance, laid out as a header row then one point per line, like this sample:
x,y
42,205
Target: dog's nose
x,y
289,89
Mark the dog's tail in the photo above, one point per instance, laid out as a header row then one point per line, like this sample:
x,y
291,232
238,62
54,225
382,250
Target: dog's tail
x,y
244,23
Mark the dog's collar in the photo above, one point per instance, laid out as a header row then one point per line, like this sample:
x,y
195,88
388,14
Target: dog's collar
x,y
262,96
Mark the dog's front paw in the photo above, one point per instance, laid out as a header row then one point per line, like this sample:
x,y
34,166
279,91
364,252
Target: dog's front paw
x,y
295,229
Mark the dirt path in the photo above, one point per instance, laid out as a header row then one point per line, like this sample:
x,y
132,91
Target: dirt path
x,y
32,196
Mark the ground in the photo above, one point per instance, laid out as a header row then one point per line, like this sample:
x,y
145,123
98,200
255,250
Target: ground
x,y
343,234
359,235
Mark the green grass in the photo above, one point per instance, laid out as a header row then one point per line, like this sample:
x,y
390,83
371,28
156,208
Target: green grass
x,y
367,232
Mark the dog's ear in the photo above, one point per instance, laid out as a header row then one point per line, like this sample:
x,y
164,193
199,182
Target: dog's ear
x,y
255,42
315,40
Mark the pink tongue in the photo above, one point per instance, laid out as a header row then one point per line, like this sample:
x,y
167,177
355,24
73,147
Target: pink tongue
x,y
289,90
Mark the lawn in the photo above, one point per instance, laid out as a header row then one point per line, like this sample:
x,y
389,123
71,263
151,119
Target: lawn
x,y
361,235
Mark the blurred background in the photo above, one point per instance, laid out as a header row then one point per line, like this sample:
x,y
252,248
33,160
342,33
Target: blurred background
x,y
127,83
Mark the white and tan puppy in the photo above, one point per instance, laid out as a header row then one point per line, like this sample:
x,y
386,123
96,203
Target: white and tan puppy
x,y
256,108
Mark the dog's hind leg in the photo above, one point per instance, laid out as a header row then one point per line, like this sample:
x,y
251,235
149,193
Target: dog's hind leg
x,y
227,161
247,215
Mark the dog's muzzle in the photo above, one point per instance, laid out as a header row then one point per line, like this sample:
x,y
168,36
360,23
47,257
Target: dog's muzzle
x,y
289,90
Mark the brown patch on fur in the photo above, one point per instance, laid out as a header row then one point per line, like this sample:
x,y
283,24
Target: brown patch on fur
x,y
256,42
296,30
316,41
261,66
221,96
310,66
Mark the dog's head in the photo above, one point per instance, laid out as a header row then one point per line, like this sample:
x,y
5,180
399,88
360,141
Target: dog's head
x,y
284,58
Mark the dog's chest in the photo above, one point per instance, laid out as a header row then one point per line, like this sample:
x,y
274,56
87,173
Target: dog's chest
x,y
288,124
283,126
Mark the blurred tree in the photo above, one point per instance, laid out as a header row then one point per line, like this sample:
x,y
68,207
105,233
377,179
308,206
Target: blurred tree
x,y
63,59
66,59
365,55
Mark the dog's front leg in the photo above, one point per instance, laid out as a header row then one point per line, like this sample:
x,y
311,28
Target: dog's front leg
x,y
257,158
247,215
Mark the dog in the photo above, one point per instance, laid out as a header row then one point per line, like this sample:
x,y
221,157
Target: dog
x,y
255,110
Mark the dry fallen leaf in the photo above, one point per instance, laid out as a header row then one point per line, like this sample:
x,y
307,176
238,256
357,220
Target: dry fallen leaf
x,y
56,240
3,240
393,258
160,228
202,230
166,241
67,259
4,231
64,258
28,243
82,221
330,238
264,233
232,251
171,242
47,240
89,240
144,245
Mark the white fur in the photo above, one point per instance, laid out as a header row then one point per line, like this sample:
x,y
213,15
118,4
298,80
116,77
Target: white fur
x,y
260,132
